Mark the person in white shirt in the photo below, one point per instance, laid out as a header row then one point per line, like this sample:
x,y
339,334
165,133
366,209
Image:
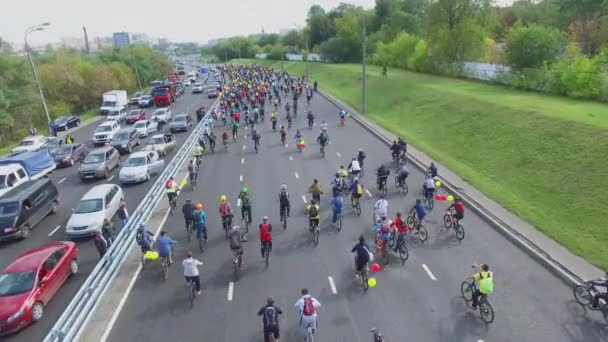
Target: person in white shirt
x,y
307,306
191,271
429,186
354,167
381,208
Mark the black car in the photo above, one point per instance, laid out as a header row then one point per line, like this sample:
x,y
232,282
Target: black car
x,y
63,123
125,139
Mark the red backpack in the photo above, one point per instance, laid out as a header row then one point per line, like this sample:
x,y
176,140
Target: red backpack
x,y
168,184
309,307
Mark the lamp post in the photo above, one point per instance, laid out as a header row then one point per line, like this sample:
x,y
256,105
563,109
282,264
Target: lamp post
x,y
29,55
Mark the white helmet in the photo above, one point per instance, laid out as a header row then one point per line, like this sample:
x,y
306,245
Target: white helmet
x,y
236,228
283,186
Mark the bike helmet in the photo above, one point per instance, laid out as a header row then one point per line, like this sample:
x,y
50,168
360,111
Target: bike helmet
x,y
223,198
142,225
283,186
337,174
265,218
244,189
236,228
313,202
199,206
383,217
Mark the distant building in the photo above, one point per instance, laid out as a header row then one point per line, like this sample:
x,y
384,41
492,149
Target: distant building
x,y
121,39
141,38
100,43
73,43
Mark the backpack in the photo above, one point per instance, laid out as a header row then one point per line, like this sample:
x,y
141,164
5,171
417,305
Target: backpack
x,y
140,237
283,197
359,189
168,184
309,307
313,211
486,285
235,240
270,317
245,200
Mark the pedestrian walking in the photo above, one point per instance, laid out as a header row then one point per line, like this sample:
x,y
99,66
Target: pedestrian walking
x,y
108,230
101,244
123,213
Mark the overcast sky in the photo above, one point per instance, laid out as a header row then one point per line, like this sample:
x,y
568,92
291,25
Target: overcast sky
x,y
181,20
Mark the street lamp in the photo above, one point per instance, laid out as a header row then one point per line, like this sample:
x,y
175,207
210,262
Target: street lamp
x,y
29,55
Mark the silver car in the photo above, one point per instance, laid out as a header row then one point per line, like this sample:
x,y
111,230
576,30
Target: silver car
x,y
145,127
99,162
125,139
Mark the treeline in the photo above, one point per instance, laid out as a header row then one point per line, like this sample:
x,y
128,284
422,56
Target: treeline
x,y
72,83
556,46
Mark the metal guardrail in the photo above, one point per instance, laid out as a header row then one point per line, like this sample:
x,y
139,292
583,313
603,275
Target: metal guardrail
x,y
77,314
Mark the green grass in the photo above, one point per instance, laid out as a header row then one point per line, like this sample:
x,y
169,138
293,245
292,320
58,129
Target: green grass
x,y
542,157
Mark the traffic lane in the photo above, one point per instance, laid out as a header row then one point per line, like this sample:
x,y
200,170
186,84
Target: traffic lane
x,y
88,252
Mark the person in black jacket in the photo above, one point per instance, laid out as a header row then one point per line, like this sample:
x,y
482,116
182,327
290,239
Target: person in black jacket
x,y
101,244
188,211
270,319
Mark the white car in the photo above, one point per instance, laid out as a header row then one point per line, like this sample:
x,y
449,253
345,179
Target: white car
x,y
105,132
136,97
162,114
117,115
140,166
145,127
29,144
197,88
161,143
97,204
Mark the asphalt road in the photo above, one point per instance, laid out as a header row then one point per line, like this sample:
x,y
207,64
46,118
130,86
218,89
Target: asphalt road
x,y
71,189
418,301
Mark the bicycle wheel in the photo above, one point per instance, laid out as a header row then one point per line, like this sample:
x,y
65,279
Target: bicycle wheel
x,y
189,231
284,221
447,220
358,209
164,269
431,202
271,337
423,234
391,240
397,181
266,254
410,220
339,222
385,256
310,335
459,229
315,236
486,311
201,243
583,294
404,189
236,269
384,190
404,254
466,289
192,293
365,279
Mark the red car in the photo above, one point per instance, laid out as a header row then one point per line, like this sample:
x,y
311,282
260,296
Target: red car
x,y
136,115
31,281
212,93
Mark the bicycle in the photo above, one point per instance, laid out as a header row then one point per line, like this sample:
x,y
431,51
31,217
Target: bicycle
x,y
428,198
193,180
322,151
401,248
256,146
356,205
584,295
383,188
192,291
486,310
266,249
225,142
382,250
226,224
284,218
165,263
212,147
450,221
363,275
314,229
201,240
419,228
310,332
339,221
237,261
376,335
189,228
402,186
172,204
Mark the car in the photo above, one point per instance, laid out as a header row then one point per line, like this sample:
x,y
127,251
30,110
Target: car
x,y
181,122
125,139
187,82
212,93
145,127
162,114
104,132
29,283
136,97
50,143
161,143
63,123
180,88
140,166
99,203
117,115
197,88
68,155
29,144
99,162
146,101
135,115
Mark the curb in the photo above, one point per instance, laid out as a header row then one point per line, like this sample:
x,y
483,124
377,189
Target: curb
x,y
507,231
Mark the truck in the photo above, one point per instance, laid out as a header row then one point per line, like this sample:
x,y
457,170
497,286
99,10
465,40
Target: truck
x,y
205,69
164,95
114,100
172,77
18,169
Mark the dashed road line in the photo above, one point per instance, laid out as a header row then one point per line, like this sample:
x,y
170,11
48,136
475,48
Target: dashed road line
x,y
243,147
286,145
304,199
368,193
238,202
54,230
110,179
339,155
230,291
332,285
242,160
297,176
290,157
62,180
428,271
241,178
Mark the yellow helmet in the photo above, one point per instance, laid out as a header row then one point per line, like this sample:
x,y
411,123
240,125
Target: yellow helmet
x,y
223,198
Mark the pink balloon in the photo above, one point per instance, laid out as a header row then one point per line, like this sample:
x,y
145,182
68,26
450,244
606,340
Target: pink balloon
x,y
375,268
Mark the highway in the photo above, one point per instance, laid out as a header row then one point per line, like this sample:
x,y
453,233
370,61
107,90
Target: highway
x,y
71,189
418,301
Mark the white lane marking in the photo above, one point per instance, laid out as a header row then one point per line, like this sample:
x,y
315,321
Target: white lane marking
x,y
332,285
54,230
339,155
368,193
238,202
304,198
62,180
297,176
286,145
125,295
242,160
479,340
110,179
290,157
230,291
428,271
241,178
243,147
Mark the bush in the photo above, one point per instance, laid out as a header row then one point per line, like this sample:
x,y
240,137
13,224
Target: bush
x,y
577,75
532,46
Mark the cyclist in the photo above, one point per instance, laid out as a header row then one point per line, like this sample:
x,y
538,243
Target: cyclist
x,y
284,204
273,119
322,139
432,171
171,189
381,207
337,203
193,171
603,282
395,150
212,139
235,129
198,151
200,220
402,174
361,157
144,238
298,136
270,319
420,212
402,229
343,172
237,117
265,235
234,241
342,114
324,129
354,167
245,207
356,190
163,246
188,211
338,183
382,174
458,207
311,118
402,146
429,186
288,117
256,139
486,285
316,190
307,307
363,255
283,134
191,271
287,107
314,214
225,209
225,138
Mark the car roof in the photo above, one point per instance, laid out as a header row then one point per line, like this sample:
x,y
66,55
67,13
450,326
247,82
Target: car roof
x,y
182,114
139,154
144,121
99,191
33,258
107,123
101,149
157,136
23,190
34,138
161,110
126,129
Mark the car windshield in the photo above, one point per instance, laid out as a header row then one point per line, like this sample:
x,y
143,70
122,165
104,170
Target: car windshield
x,y
134,112
108,104
89,206
135,161
58,151
180,118
197,84
160,112
8,208
2,181
161,92
104,128
145,97
138,94
61,119
93,158
141,124
15,283
121,136
114,113
26,143
155,141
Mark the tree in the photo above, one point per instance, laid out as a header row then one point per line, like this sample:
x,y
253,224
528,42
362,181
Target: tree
x,y
293,39
532,46
269,39
319,24
276,52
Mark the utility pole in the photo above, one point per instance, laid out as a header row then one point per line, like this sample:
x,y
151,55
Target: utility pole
x,y
307,54
29,55
86,42
226,56
363,62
